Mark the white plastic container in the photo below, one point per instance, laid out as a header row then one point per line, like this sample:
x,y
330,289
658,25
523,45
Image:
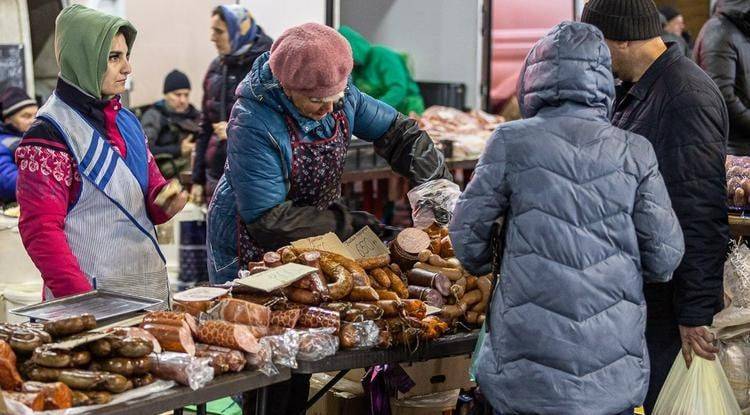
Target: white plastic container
x,y
20,295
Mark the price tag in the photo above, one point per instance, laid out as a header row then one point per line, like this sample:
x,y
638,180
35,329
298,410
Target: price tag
x,y
365,244
278,277
328,242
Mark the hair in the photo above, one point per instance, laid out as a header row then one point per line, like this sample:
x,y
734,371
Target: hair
x,y
217,11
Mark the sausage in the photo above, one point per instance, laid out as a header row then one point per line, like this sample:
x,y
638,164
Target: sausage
x,y
272,260
471,282
314,317
315,281
485,287
81,379
370,311
258,270
80,358
115,383
80,399
42,374
740,199
101,348
71,325
363,293
387,295
454,311
51,358
375,262
453,274
172,338
428,295
56,395
134,347
287,255
472,317
343,280
285,318
348,337
425,278
381,277
25,341
397,284
225,334
145,380
446,248
120,365
391,308
435,245
98,397
222,359
424,256
353,315
339,307
439,261
35,401
471,298
244,312
172,318
252,265
302,296
359,276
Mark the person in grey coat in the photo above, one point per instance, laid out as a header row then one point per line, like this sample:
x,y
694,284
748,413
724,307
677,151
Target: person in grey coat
x,y
587,220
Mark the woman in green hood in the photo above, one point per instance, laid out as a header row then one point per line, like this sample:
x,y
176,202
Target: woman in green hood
x,y
89,190
382,73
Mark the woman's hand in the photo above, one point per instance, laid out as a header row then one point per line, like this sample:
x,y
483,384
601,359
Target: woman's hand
x,y
220,129
196,194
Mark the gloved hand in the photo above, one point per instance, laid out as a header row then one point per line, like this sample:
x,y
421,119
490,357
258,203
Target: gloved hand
x,y
361,219
196,194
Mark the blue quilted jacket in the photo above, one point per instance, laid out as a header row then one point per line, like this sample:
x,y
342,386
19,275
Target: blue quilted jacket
x,y
9,139
259,155
587,220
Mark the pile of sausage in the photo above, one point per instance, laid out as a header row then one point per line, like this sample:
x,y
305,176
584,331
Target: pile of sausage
x,y
42,375
738,181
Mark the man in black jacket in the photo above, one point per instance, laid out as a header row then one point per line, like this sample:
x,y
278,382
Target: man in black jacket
x,y
668,99
723,51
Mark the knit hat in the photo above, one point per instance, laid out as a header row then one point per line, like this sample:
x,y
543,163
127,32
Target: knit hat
x,y
14,99
176,80
312,59
624,20
669,12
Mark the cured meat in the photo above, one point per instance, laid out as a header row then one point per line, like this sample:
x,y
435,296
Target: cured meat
x,y
56,395
244,312
71,325
172,338
286,318
428,295
314,317
222,359
35,401
424,278
226,334
172,318
342,279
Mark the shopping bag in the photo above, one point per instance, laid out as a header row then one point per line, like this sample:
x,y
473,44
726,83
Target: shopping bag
x,y
701,390
474,356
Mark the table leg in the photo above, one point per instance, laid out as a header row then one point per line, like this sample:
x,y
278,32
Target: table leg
x,y
177,411
200,409
260,402
325,389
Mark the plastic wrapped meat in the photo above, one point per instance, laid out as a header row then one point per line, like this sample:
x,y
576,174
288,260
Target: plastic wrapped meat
x,y
314,317
317,344
182,368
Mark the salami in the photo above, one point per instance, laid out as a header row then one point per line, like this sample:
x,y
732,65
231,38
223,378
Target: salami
x,y
226,334
10,379
172,338
222,359
428,295
375,262
314,317
285,318
172,318
424,278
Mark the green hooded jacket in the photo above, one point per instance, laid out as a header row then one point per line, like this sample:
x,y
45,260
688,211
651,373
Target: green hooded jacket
x,y
83,38
382,73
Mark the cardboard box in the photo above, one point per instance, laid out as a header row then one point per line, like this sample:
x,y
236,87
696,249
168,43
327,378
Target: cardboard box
x,y
346,397
437,375
431,404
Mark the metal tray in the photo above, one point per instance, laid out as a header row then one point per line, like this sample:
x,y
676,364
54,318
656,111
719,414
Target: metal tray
x,y
104,305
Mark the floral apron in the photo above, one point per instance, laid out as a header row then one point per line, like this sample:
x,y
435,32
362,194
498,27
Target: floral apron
x,y
315,179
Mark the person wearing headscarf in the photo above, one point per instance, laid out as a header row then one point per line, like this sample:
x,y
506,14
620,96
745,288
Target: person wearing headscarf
x,y
89,189
239,41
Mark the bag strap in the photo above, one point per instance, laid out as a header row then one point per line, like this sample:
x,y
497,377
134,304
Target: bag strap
x,y
497,246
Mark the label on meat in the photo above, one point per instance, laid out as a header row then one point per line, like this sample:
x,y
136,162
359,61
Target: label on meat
x,y
278,277
200,294
328,242
365,244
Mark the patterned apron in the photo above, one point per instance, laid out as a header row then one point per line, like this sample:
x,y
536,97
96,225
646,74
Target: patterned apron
x,y
315,178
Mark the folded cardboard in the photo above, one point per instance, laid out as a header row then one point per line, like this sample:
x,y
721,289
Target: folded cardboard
x,y
278,277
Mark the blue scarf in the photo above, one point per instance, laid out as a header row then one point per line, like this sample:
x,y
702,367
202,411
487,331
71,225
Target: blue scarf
x,y
241,28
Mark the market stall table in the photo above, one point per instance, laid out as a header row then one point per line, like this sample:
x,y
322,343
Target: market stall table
x,y
739,225
343,361
222,386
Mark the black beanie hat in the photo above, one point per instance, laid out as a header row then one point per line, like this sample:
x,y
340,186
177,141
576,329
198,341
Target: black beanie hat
x,y
624,20
14,99
669,12
176,80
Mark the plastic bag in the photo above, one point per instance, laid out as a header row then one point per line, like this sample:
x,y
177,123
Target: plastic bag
x,y
263,360
284,347
363,335
317,344
475,356
433,201
182,368
737,275
701,390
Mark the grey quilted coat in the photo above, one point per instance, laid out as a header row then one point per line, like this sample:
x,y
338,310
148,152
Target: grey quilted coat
x,y
588,219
